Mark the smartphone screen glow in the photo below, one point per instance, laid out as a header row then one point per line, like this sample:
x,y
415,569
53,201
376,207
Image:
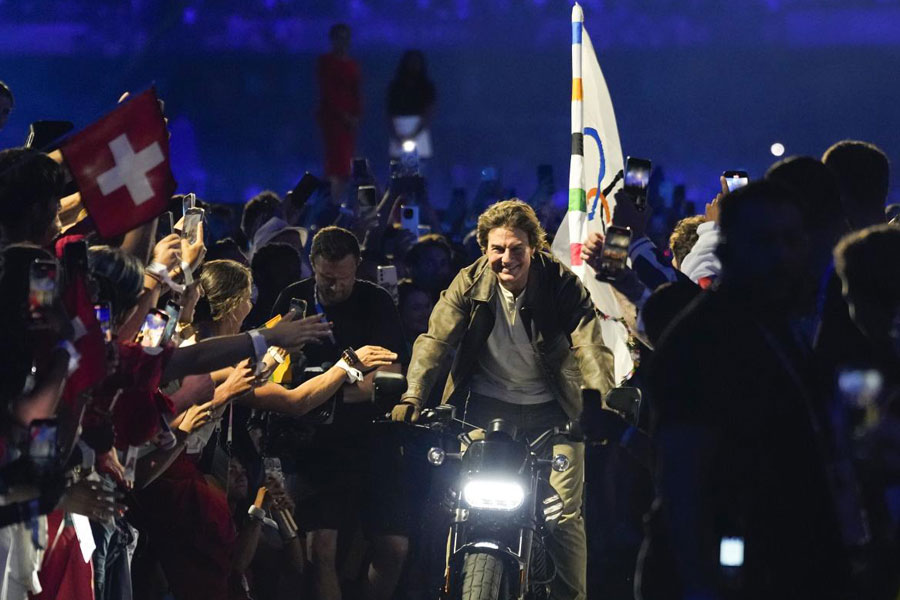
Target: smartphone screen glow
x,y
731,552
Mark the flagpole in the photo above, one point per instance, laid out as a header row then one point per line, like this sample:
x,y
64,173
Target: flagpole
x,y
577,198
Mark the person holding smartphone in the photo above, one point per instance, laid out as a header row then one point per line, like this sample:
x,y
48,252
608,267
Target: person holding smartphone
x,y
351,470
526,337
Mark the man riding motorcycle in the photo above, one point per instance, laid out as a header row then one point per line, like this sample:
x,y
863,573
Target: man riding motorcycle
x,y
527,337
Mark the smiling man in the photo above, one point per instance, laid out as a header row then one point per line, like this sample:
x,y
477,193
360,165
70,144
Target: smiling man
x,y
527,337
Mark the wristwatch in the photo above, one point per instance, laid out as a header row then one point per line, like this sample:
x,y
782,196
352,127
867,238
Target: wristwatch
x,y
349,356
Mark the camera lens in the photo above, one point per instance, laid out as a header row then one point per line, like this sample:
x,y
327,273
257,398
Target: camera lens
x,y
407,213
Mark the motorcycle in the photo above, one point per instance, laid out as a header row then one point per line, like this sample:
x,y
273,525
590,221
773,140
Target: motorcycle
x,y
502,505
504,511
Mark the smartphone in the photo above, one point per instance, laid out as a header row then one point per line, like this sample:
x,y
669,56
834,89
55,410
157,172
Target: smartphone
x,y
298,305
42,285
409,219
387,278
103,312
75,260
409,159
42,438
736,179
151,333
187,203
43,135
304,189
366,196
192,219
360,169
614,254
173,311
731,552
637,175
165,225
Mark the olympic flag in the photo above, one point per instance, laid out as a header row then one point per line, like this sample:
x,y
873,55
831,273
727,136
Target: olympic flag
x,y
595,160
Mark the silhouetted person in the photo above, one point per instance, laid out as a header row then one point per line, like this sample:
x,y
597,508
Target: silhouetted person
x,y
862,171
410,105
736,426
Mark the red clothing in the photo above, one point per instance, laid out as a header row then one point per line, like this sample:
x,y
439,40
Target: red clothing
x,y
339,83
190,532
64,572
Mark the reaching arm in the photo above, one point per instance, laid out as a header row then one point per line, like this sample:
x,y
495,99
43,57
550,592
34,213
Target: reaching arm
x,y
216,353
312,393
300,400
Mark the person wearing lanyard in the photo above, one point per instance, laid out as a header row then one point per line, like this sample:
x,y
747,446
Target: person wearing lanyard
x,y
349,472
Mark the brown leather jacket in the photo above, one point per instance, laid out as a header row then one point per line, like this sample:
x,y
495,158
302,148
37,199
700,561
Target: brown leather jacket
x,y
559,317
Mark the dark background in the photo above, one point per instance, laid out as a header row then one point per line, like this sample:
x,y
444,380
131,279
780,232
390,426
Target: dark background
x,y
699,86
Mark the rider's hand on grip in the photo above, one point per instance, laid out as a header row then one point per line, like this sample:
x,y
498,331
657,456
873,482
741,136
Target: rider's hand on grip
x,y
405,412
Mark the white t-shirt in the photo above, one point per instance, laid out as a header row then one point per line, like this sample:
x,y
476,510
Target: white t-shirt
x,y
508,368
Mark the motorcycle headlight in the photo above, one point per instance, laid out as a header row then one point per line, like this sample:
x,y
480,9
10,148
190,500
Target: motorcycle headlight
x,y
492,494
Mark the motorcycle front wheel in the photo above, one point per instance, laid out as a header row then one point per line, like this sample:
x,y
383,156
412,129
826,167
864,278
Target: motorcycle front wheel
x,y
482,577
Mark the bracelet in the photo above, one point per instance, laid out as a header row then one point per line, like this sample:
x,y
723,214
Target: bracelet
x,y
256,513
349,356
353,375
186,271
157,271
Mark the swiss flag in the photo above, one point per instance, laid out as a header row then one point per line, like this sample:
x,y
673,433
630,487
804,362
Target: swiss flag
x,y
121,165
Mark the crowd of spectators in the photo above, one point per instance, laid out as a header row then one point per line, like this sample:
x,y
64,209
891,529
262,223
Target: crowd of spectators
x,y
134,465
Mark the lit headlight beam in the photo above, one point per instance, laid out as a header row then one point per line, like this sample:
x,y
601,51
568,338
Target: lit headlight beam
x,y
487,494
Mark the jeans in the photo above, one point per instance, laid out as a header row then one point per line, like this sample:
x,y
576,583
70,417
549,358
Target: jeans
x,y
568,545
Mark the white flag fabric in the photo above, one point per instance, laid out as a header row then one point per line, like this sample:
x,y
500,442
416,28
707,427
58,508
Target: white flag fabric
x,y
596,158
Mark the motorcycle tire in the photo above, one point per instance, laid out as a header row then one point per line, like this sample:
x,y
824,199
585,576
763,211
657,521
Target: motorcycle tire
x,y
482,577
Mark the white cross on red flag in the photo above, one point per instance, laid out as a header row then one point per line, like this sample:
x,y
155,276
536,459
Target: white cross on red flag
x,y
121,165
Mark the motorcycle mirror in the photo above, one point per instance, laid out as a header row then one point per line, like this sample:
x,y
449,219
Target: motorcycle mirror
x,y
560,463
387,389
436,456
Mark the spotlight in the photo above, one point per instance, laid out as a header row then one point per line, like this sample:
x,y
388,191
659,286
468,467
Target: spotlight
x,y
409,146
777,149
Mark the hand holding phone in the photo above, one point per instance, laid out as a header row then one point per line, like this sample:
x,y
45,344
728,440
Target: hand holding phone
x,y
165,225
192,220
614,254
735,180
41,288
409,219
151,333
298,306
637,178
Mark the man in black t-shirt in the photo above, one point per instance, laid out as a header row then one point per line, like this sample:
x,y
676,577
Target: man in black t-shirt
x,y
351,469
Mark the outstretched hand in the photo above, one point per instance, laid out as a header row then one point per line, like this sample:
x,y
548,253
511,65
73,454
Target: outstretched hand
x,y
374,356
291,333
